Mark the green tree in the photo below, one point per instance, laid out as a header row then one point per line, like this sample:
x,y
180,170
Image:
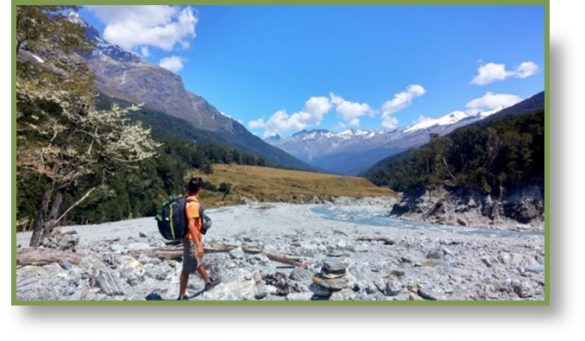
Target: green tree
x,y
225,188
61,138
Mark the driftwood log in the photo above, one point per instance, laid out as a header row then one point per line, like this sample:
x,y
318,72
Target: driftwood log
x,y
32,256
177,251
386,240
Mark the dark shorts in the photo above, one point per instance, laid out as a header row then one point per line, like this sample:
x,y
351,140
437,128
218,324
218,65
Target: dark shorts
x,y
190,261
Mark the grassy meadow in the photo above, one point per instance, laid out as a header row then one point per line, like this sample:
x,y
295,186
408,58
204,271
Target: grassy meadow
x,y
267,184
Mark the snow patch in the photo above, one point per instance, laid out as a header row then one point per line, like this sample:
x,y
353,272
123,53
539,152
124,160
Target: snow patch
x,y
450,118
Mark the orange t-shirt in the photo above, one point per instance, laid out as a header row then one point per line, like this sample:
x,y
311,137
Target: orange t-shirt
x,y
192,212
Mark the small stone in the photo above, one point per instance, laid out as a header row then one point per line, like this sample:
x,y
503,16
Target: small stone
x,y
486,261
320,291
112,260
432,293
335,253
446,251
231,265
257,277
389,287
461,222
329,275
116,248
523,289
301,275
397,273
237,253
414,297
335,264
330,283
259,260
65,264
260,291
343,295
142,235
435,254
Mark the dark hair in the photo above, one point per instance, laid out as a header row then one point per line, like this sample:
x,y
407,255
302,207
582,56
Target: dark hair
x,y
194,185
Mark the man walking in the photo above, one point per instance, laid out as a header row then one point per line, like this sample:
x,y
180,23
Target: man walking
x,y
193,241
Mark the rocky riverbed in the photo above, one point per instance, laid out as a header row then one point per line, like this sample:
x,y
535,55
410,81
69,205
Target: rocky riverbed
x,y
349,257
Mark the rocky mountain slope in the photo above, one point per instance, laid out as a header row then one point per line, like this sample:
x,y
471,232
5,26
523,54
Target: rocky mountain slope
x,y
122,74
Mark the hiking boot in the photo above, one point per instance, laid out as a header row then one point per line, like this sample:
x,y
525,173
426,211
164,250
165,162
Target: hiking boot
x,y
213,282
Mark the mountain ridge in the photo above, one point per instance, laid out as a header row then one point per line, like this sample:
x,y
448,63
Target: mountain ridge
x,y
124,75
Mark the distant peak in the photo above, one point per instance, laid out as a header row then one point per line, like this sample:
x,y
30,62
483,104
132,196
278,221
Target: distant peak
x,y
273,138
75,18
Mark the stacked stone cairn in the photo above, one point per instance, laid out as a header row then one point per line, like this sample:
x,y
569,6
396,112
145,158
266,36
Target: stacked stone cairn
x,y
333,276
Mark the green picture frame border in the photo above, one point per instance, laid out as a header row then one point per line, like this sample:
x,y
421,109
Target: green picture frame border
x,y
545,302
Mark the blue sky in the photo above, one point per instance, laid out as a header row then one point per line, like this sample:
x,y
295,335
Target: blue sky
x,y
280,69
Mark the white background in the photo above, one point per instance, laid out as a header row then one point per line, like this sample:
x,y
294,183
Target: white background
x,y
563,319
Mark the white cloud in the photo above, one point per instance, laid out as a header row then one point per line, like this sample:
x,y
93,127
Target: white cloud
x,y
350,112
256,124
355,122
160,26
389,122
312,114
144,51
526,69
172,63
491,72
490,103
400,101
318,106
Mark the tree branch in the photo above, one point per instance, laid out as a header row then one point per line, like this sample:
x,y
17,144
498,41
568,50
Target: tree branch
x,y
75,204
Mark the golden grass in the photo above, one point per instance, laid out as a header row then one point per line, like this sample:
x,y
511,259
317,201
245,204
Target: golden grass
x,y
280,185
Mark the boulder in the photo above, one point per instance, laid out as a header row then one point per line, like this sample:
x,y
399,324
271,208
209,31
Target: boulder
x,y
237,253
108,283
301,275
332,284
389,287
335,265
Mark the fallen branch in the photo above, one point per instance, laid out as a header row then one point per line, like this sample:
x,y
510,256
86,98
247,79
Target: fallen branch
x,y
386,240
33,256
169,252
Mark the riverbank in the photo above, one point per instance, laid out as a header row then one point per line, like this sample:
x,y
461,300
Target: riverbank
x,y
348,260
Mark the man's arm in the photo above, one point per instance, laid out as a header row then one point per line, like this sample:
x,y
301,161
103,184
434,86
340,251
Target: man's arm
x,y
195,233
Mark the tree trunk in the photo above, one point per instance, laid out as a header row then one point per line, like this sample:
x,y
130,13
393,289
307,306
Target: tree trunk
x,y
53,216
177,251
30,256
35,240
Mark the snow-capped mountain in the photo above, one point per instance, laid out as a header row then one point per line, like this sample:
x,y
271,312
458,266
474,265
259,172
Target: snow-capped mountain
x,y
353,151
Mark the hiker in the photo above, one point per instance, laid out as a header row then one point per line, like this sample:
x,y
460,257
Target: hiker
x,y
193,241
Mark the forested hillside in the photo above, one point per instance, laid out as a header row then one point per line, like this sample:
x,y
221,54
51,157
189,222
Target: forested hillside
x,y
489,157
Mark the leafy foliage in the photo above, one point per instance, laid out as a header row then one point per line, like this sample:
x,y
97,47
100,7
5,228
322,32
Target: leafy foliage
x,y
488,157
